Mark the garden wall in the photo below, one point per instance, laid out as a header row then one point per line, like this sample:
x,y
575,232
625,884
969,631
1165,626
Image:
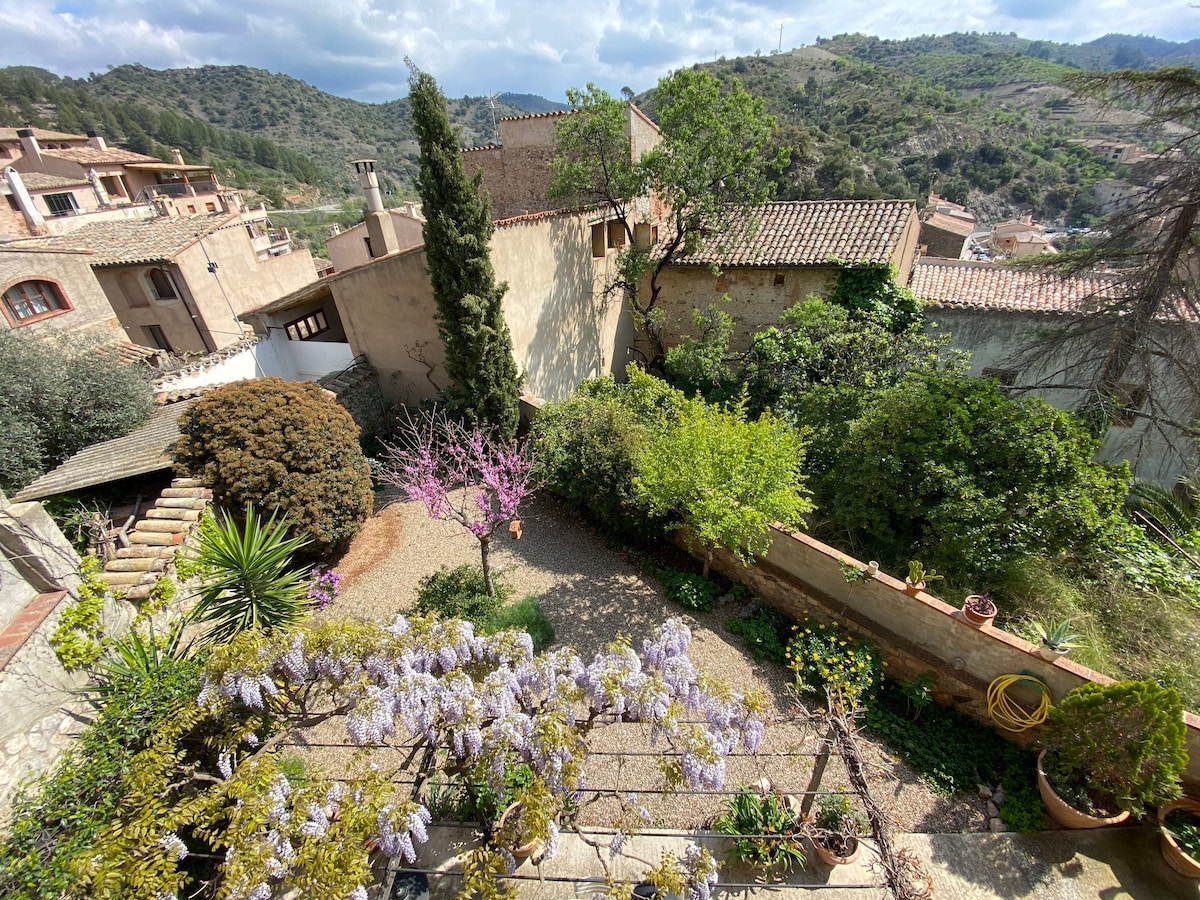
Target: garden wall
x,y
803,577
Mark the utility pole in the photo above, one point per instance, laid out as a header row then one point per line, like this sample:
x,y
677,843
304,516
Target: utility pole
x,y
779,49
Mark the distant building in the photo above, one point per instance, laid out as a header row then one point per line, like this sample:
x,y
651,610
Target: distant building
x,y
945,228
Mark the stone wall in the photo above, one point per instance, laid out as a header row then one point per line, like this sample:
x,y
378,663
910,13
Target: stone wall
x,y
803,577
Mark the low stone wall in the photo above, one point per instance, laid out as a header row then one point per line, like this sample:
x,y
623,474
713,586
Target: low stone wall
x,y
803,577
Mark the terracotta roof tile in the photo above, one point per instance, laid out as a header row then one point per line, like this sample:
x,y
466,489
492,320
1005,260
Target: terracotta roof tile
x,y
90,156
808,233
40,181
542,115
41,134
123,242
963,284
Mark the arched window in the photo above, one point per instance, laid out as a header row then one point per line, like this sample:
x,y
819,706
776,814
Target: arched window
x,y
164,285
32,300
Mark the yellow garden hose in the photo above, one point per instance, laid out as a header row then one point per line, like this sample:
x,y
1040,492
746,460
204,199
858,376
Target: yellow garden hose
x,y
1009,714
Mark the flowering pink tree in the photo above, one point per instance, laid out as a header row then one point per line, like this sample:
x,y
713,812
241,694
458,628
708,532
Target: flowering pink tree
x,y
461,474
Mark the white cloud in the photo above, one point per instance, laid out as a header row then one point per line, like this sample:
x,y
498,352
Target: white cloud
x,y
356,47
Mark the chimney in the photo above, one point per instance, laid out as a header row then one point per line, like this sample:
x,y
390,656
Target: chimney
x,y
96,140
29,143
34,220
177,156
381,233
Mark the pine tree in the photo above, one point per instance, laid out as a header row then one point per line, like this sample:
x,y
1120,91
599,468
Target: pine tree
x,y
458,226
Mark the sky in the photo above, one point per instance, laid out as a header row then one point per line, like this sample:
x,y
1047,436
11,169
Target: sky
x,y
356,48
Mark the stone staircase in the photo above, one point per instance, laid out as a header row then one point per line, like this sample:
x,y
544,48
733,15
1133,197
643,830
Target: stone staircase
x,y
156,539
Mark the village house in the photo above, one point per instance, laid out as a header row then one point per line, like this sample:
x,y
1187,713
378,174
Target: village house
x,y
781,253
1020,238
172,282
945,228
998,313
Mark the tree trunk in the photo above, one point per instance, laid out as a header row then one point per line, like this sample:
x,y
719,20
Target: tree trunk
x,y
484,546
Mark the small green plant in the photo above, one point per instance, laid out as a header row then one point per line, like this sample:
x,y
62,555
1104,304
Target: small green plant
x,y
1057,637
1121,745
771,826
524,615
838,824
1184,826
853,574
160,595
689,590
134,656
460,593
79,637
919,692
835,668
918,575
765,631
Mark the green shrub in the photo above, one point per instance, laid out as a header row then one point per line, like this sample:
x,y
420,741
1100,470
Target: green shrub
x,y
524,615
1122,743
765,632
460,593
78,638
689,590
284,447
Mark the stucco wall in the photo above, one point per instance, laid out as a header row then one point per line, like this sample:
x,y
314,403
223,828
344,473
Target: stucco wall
x,y
755,301
129,295
803,577
349,249
996,340
90,311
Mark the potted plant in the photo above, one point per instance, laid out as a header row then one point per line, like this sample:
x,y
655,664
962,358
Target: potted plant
x,y
1055,641
979,609
1110,751
766,830
917,577
1180,824
836,827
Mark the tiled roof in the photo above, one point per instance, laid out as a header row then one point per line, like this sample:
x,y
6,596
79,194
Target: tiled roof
x,y
148,448
10,134
90,156
962,284
542,115
40,181
808,233
953,224
127,241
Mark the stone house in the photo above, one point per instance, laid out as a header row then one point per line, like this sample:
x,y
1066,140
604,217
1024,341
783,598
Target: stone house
x,y
782,253
945,227
998,314
175,283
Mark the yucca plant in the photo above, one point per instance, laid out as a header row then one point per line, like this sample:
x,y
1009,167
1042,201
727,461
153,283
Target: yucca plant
x,y
251,581
134,656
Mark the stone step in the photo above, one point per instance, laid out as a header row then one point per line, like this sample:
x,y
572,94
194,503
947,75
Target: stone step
x,y
179,515
181,503
196,493
185,482
156,538
139,592
122,579
139,564
174,526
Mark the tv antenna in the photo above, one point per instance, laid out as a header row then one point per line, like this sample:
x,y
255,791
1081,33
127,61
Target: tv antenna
x,y
491,102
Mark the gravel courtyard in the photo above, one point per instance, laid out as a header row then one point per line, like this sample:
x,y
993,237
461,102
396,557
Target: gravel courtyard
x,y
591,592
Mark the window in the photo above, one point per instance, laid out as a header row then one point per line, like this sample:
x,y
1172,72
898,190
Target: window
x,y
778,280
192,208
61,204
12,201
31,300
1006,377
306,327
616,234
111,186
159,337
1127,401
163,285
599,244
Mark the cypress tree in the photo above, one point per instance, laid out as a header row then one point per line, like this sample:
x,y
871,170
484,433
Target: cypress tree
x,y
458,226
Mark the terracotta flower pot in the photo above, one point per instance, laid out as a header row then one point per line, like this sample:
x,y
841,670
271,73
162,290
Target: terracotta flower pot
x,y
527,849
1065,814
913,589
1045,651
975,618
1175,856
832,859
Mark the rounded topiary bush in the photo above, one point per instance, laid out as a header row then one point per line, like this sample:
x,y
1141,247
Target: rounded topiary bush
x,y
280,445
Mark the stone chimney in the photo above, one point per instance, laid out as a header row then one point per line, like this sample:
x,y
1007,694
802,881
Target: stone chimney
x,y
34,220
96,140
177,156
29,143
381,234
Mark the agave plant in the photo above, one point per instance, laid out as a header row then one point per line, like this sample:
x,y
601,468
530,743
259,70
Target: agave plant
x,y
251,581
135,656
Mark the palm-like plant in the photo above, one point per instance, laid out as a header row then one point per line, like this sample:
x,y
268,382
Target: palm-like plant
x,y
134,656
1176,512
250,581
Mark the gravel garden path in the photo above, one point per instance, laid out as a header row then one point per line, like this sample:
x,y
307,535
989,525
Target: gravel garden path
x,y
591,592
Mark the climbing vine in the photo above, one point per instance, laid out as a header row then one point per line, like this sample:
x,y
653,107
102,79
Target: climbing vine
x,y
79,638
